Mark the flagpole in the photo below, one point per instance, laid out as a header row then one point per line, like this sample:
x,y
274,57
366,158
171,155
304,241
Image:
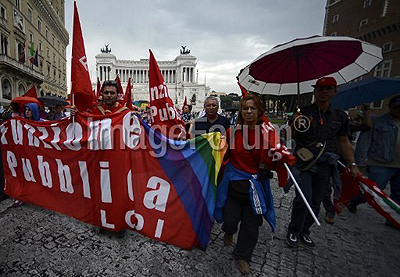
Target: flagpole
x,y
302,195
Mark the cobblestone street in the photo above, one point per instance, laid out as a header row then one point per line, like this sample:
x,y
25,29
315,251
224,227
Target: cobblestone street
x,y
38,242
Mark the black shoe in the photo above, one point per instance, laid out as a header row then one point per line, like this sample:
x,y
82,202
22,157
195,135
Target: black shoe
x,y
352,208
307,241
292,240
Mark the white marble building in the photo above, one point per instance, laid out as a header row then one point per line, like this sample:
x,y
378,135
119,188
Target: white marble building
x,y
180,76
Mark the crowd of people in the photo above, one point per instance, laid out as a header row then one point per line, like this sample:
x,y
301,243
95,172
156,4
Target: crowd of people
x,y
326,137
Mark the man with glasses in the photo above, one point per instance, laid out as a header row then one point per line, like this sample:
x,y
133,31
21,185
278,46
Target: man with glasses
x,y
318,124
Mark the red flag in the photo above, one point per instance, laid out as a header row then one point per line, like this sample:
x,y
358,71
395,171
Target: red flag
x,y
243,90
382,203
277,153
81,87
128,95
31,92
98,88
162,110
184,103
121,90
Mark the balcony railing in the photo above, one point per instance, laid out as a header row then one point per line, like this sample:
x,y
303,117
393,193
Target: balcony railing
x,y
17,66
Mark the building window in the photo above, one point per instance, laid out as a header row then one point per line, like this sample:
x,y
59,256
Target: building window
x,y
6,89
48,70
48,52
383,69
47,33
30,37
21,52
335,18
367,3
30,16
53,42
363,23
40,47
3,14
387,47
18,4
4,44
21,89
54,58
334,34
39,25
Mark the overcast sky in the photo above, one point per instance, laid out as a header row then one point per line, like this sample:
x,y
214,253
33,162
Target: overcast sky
x,y
224,35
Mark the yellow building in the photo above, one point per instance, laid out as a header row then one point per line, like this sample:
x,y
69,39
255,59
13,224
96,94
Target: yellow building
x,y
28,27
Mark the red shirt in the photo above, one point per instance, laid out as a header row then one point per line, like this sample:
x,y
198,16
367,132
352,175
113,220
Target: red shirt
x,y
247,160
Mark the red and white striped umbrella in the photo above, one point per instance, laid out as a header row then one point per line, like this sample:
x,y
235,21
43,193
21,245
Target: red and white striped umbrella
x,y
292,67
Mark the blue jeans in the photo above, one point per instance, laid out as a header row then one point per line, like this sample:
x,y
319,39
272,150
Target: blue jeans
x,y
381,176
314,184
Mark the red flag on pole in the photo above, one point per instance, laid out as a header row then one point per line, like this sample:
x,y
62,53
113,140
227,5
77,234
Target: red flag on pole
x,y
98,88
31,92
243,90
120,89
128,95
81,87
184,103
163,113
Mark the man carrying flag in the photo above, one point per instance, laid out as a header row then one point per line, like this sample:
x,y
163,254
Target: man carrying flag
x,y
319,131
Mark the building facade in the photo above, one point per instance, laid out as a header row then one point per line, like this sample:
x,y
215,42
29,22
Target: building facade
x,y
33,48
373,21
180,76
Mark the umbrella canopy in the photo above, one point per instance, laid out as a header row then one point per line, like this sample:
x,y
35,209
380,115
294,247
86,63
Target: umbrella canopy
x,y
52,101
23,100
292,68
365,91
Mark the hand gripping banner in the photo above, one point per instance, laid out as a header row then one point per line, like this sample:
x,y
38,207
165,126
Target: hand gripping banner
x,y
115,172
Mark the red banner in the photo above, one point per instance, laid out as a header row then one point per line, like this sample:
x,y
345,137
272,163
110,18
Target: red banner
x,y
81,87
162,110
105,171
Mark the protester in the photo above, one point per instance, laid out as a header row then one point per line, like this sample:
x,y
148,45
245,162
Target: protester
x,y
379,149
110,93
31,112
211,121
323,131
244,154
58,113
110,105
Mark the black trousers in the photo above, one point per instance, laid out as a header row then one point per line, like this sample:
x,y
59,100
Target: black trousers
x,y
237,209
314,184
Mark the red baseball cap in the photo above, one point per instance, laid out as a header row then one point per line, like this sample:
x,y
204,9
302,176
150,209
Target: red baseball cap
x,y
325,81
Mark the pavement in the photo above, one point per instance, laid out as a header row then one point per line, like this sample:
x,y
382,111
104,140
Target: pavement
x,y
38,242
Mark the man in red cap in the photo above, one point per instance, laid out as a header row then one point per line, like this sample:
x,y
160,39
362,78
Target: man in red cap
x,y
320,132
